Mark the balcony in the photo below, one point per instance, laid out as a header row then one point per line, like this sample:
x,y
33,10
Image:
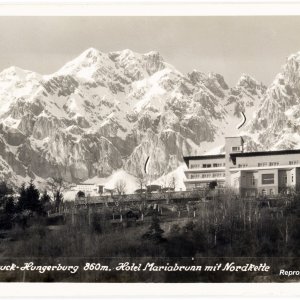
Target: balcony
x,y
212,169
200,179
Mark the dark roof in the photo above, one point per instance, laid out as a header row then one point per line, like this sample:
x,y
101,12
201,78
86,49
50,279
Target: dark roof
x,y
265,153
202,157
242,154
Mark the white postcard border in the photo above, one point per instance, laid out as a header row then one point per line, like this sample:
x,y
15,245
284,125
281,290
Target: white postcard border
x,y
149,8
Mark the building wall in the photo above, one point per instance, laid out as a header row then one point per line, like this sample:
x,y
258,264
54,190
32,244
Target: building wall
x,y
201,172
284,179
202,185
297,183
198,164
254,161
231,145
206,175
88,188
85,188
267,189
253,175
235,182
249,179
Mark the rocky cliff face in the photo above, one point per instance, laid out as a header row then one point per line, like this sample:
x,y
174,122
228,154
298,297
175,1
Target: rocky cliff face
x,y
106,111
277,124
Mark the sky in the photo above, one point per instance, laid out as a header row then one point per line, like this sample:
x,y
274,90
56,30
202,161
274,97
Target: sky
x,y
228,45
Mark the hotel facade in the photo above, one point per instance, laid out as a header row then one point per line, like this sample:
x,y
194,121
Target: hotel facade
x,y
251,174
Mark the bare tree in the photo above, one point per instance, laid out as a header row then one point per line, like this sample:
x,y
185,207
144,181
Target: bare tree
x,y
164,182
141,181
172,183
57,186
120,186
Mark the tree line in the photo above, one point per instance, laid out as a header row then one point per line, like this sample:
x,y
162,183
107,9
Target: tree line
x,y
17,206
224,226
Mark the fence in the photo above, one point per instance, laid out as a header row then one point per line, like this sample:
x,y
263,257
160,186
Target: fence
x,y
149,197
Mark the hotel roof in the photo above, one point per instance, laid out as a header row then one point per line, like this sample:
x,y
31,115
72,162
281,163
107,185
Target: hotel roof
x,y
242,154
202,157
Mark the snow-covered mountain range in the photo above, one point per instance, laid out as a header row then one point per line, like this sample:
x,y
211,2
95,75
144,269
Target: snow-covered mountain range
x,y
103,112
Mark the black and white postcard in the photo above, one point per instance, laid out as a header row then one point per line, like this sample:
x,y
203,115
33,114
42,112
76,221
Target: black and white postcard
x,y
150,149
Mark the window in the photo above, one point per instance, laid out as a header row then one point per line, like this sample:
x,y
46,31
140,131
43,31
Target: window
x,y
217,165
292,178
199,185
243,165
218,174
194,176
206,175
264,164
206,165
271,192
267,178
294,162
274,164
253,180
236,149
195,166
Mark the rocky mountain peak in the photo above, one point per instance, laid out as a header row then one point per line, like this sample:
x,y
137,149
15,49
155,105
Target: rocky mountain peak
x,y
250,85
197,77
277,120
213,81
218,79
291,73
105,111
86,65
16,73
91,52
138,66
293,57
247,80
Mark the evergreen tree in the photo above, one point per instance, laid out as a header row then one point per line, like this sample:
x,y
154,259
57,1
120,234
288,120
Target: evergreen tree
x,y
58,200
6,219
10,207
22,200
4,190
212,185
45,202
29,198
33,197
80,194
154,233
5,193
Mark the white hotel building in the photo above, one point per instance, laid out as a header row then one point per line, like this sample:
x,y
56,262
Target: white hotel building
x,y
250,173
89,188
